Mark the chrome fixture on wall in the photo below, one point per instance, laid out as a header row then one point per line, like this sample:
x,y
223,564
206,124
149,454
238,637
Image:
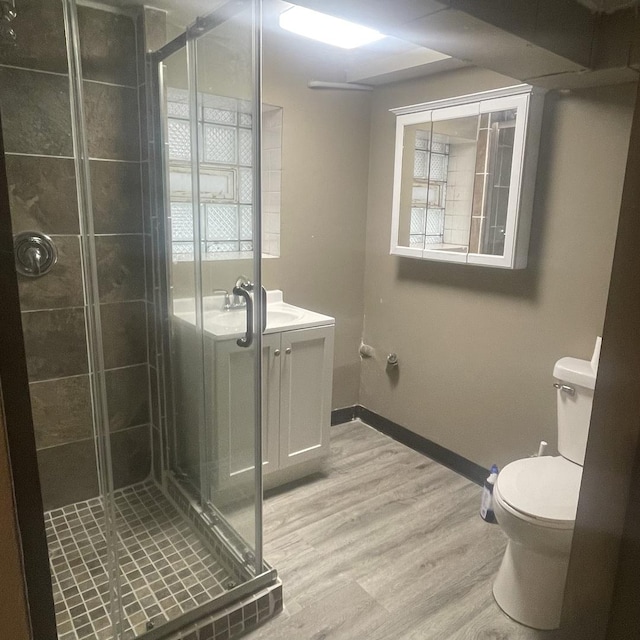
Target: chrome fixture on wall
x,y
35,254
8,15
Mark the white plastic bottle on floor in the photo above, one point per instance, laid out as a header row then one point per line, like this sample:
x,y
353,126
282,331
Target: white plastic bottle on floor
x,y
486,507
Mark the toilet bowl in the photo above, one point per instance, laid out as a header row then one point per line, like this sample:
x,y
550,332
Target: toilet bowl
x,y
535,502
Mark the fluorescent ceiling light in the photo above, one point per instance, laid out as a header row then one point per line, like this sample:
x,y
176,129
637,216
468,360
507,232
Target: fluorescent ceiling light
x,y
327,29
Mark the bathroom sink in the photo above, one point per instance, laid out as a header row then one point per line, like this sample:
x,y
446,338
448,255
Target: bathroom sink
x,y
280,317
227,323
223,323
235,321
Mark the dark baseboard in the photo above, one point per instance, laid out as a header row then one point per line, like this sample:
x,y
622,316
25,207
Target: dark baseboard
x,y
339,416
444,456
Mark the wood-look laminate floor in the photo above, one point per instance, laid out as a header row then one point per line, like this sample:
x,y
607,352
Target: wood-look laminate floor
x,y
386,545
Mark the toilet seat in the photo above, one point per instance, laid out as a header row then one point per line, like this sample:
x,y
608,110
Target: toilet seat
x,y
543,490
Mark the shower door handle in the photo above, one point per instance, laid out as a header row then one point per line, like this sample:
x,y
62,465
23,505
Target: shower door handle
x,y
243,292
263,309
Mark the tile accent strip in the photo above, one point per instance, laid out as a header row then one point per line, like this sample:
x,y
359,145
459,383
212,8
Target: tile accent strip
x,y
444,456
238,619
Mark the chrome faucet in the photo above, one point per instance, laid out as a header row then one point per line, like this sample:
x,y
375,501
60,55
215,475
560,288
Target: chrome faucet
x,y
227,298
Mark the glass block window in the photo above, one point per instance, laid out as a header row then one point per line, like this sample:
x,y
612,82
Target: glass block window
x,y
226,159
222,116
222,222
245,147
181,222
178,109
179,139
220,144
246,186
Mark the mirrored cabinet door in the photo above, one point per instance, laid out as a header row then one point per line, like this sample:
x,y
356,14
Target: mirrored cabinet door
x,y
462,184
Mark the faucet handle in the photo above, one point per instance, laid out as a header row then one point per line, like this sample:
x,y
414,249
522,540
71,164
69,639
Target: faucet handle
x,y
243,282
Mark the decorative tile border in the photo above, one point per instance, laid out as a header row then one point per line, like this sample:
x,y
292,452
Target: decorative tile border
x,y
238,619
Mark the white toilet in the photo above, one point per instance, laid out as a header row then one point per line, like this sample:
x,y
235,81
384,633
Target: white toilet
x,y
535,502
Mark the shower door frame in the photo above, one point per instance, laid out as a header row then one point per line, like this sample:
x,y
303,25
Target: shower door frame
x,y
188,41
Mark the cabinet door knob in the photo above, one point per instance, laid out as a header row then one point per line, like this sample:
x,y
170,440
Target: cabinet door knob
x,y
276,352
287,350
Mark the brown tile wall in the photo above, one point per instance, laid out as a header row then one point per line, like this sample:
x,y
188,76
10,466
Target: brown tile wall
x,y
35,104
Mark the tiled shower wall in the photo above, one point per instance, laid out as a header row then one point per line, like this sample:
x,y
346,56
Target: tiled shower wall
x,y
35,107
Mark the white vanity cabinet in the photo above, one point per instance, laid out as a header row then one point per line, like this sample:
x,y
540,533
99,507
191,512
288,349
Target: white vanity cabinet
x,y
296,395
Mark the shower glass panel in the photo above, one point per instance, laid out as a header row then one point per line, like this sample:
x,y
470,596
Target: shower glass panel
x,y
148,528
208,104
225,105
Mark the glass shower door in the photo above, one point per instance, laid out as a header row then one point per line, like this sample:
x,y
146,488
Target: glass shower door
x,y
210,117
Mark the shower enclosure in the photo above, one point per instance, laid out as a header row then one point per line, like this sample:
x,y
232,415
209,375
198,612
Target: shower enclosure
x,y
132,138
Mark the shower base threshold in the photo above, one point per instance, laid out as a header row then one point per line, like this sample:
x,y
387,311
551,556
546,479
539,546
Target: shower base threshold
x,y
165,569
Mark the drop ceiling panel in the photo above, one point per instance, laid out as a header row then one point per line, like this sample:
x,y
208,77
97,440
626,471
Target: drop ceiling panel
x,y
383,15
469,39
607,6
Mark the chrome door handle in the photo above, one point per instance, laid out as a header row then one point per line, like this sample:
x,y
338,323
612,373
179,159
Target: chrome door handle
x,y
243,292
565,388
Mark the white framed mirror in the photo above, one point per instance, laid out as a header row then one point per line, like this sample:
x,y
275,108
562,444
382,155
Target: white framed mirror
x,y
464,177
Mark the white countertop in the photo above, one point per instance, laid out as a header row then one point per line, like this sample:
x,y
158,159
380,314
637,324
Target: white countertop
x,y
231,323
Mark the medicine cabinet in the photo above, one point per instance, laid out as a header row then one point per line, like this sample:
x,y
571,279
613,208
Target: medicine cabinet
x,y
464,177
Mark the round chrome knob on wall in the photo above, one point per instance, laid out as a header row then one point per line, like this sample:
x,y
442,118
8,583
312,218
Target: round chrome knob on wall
x,y
35,254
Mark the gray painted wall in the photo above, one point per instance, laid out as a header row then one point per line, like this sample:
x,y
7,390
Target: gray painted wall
x,y
476,345
324,195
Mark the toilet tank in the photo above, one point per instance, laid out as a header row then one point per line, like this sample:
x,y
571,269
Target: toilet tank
x,y
575,382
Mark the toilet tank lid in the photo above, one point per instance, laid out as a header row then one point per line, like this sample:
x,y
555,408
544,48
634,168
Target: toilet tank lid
x,y
575,371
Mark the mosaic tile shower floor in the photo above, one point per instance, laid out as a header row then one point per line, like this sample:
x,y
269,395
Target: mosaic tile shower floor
x,y
165,569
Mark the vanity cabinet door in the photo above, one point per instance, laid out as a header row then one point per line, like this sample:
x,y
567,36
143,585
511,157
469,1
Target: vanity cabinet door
x,y
271,359
234,416
305,394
